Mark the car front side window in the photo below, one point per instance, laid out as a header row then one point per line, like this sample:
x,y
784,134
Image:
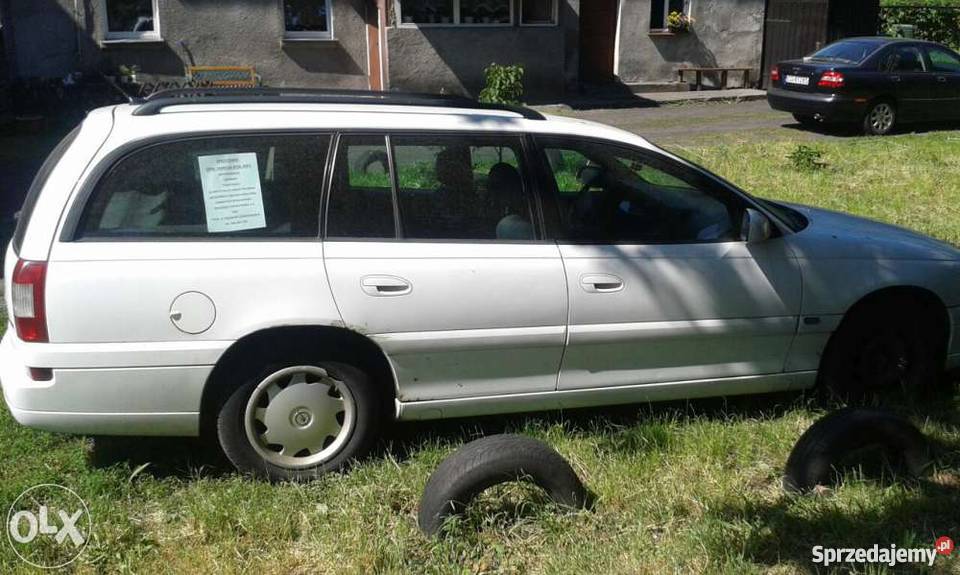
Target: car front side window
x,y
613,194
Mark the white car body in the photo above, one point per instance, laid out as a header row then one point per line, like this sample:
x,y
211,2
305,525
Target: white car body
x,y
485,327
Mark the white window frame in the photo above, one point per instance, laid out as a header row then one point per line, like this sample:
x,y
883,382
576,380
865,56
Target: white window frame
x,y
556,16
456,19
307,35
124,36
687,9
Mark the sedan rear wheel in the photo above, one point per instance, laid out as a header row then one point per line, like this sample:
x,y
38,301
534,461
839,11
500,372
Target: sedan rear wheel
x,y
880,119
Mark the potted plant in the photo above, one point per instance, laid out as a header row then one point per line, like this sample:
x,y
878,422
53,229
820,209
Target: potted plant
x,y
678,22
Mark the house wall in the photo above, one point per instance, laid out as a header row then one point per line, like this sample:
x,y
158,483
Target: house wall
x,y
725,33
39,38
452,58
239,32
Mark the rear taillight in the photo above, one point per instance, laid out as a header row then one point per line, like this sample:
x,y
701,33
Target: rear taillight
x,y
29,310
831,80
775,74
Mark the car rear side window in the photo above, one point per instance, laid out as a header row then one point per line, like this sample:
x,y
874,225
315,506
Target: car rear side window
x,y
23,216
212,187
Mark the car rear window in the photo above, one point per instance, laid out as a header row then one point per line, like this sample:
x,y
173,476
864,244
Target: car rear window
x,y
847,52
212,187
23,216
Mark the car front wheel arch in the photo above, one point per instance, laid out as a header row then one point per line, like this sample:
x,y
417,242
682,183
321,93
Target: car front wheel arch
x,y
917,312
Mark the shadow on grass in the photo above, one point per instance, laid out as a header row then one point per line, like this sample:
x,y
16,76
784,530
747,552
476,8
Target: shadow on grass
x,y
180,457
784,532
855,130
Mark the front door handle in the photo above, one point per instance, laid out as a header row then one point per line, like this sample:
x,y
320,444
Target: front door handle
x,y
942,79
895,78
385,286
600,283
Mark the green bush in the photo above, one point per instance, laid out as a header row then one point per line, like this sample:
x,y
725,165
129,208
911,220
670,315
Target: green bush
x,y
504,84
936,22
806,158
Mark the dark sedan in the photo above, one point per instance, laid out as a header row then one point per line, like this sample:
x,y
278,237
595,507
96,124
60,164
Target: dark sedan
x,y
877,82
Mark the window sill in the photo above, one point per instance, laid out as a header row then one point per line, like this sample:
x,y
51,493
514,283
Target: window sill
x,y
662,33
308,40
146,40
415,26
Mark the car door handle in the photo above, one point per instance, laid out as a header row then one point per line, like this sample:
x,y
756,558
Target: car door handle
x,y
895,78
942,79
382,286
601,283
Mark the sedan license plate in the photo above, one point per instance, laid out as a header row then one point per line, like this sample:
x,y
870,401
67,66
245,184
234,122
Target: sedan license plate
x,y
799,80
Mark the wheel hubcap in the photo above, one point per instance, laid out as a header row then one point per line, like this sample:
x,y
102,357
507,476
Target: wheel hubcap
x,y
299,416
881,117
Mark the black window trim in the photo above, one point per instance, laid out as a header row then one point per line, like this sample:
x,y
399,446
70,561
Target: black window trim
x,y
71,229
549,187
531,186
36,186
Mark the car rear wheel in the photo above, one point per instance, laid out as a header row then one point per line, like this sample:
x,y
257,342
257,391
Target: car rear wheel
x,y
881,118
298,420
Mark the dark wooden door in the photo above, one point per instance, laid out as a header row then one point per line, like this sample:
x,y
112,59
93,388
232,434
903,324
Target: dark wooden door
x,y
598,32
793,29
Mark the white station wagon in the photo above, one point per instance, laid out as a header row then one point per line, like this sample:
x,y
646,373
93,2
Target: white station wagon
x,y
288,271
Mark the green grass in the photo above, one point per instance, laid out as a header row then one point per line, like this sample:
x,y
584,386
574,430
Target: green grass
x,y
680,487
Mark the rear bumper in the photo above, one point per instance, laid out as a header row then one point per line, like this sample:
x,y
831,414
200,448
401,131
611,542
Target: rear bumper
x,y
828,107
98,400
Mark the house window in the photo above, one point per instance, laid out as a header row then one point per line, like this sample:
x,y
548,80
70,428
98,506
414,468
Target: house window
x,y
455,12
307,19
131,19
660,9
538,12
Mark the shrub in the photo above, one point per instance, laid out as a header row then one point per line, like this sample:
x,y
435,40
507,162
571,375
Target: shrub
x,y
938,23
806,158
504,84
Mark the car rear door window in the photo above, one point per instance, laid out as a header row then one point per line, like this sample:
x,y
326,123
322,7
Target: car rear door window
x,y
212,187
462,188
361,193
943,60
613,194
903,59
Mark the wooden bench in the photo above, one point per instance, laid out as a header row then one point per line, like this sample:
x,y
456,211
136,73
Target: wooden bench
x,y
223,76
723,75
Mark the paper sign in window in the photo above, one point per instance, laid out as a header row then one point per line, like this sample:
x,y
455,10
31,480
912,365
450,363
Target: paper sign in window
x,y
231,192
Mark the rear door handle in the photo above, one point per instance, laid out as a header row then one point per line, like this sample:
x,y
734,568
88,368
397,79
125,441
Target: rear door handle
x,y
942,79
600,283
895,78
385,286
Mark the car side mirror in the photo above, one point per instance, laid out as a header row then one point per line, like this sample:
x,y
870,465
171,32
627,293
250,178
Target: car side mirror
x,y
756,227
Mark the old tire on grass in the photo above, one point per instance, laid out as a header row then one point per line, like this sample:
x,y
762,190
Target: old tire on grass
x,y
295,420
490,461
841,434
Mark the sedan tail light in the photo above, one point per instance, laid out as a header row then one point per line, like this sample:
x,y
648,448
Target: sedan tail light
x,y
775,74
831,80
29,309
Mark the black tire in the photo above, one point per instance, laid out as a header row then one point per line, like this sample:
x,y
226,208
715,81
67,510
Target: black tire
x,y
890,345
880,119
837,436
490,461
806,121
369,414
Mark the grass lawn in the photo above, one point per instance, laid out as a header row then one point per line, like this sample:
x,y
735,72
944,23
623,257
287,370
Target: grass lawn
x,y
680,487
